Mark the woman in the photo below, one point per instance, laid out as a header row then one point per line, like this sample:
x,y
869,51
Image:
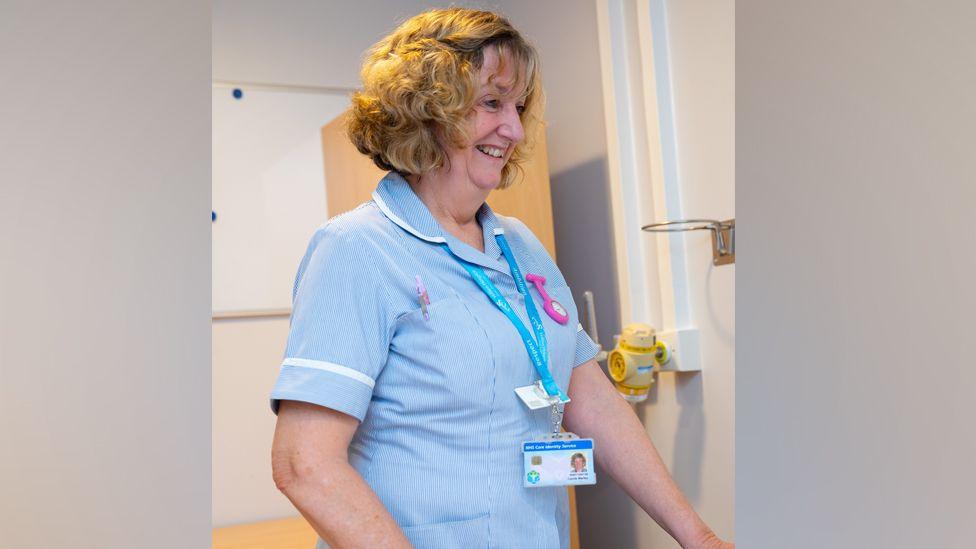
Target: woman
x,y
579,463
398,421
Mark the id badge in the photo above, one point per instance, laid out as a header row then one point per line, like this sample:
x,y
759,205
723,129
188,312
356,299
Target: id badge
x,y
558,460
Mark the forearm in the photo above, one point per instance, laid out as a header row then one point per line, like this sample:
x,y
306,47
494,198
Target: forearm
x,y
310,466
624,450
343,509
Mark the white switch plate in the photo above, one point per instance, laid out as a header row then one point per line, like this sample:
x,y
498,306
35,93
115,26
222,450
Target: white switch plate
x,y
685,350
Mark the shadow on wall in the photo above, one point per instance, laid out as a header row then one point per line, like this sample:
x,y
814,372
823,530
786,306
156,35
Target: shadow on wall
x,y
583,229
688,446
607,515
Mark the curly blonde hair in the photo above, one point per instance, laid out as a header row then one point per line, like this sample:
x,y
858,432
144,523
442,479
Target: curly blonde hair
x,y
420,82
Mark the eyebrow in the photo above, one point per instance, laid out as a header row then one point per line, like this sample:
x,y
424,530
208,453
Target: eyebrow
x,y
499,88
505,90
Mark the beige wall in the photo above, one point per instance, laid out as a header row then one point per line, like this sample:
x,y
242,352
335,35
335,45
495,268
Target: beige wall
x,y
104,275
246,355
856,193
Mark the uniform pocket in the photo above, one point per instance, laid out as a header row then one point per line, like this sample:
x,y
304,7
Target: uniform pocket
x,y
449,535
442,360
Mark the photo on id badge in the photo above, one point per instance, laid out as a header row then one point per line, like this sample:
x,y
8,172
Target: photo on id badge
x,y
556,462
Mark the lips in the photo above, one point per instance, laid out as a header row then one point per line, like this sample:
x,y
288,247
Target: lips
x,y
491,150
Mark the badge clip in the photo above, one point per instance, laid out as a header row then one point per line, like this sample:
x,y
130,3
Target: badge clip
x,y
535,397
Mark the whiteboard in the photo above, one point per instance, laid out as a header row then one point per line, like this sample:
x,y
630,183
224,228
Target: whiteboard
x,y
268,190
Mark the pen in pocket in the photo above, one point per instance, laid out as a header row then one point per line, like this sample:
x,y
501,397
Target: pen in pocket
x,y
422,297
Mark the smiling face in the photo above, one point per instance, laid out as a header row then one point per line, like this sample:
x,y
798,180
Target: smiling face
x,y
494,125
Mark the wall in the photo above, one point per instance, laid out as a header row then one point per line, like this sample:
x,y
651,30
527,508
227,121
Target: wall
x,y
693,420
856,195
689,416
311,43
104,275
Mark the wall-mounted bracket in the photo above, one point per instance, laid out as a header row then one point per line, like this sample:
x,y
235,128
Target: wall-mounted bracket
x,y
723,235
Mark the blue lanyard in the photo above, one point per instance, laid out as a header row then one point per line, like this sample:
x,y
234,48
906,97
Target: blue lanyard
x,y
538,352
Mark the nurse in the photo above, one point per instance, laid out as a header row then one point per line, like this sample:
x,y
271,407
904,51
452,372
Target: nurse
x,y
419,314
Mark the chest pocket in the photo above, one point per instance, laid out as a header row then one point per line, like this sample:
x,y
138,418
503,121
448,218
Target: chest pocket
x,y
439,365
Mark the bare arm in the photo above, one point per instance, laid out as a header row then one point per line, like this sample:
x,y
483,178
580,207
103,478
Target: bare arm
x,y
311,467
625,451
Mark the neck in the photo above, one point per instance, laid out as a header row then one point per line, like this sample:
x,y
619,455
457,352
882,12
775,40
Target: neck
x,y
452,203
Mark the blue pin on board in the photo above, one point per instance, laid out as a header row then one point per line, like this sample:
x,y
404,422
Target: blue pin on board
x,y
238,93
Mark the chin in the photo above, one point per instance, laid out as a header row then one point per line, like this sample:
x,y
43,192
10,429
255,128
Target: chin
x,y
488,183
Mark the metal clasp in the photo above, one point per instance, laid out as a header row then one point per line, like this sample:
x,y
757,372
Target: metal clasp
x,y
556,417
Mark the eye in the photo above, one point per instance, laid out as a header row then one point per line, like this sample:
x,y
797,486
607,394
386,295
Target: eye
x,y
520,109
491,103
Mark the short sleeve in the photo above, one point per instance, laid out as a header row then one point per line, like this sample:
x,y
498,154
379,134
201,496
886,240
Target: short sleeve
x,y
585,348
340,326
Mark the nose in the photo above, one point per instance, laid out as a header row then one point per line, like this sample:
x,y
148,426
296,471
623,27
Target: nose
x,y
511,126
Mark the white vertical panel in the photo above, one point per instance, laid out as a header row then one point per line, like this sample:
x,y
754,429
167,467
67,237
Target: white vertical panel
x,y
627,159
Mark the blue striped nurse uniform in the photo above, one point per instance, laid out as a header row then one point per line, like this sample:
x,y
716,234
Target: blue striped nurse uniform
x,y
441,426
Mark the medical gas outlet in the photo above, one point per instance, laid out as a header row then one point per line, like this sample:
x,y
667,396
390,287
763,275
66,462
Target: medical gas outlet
x,y
631,363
